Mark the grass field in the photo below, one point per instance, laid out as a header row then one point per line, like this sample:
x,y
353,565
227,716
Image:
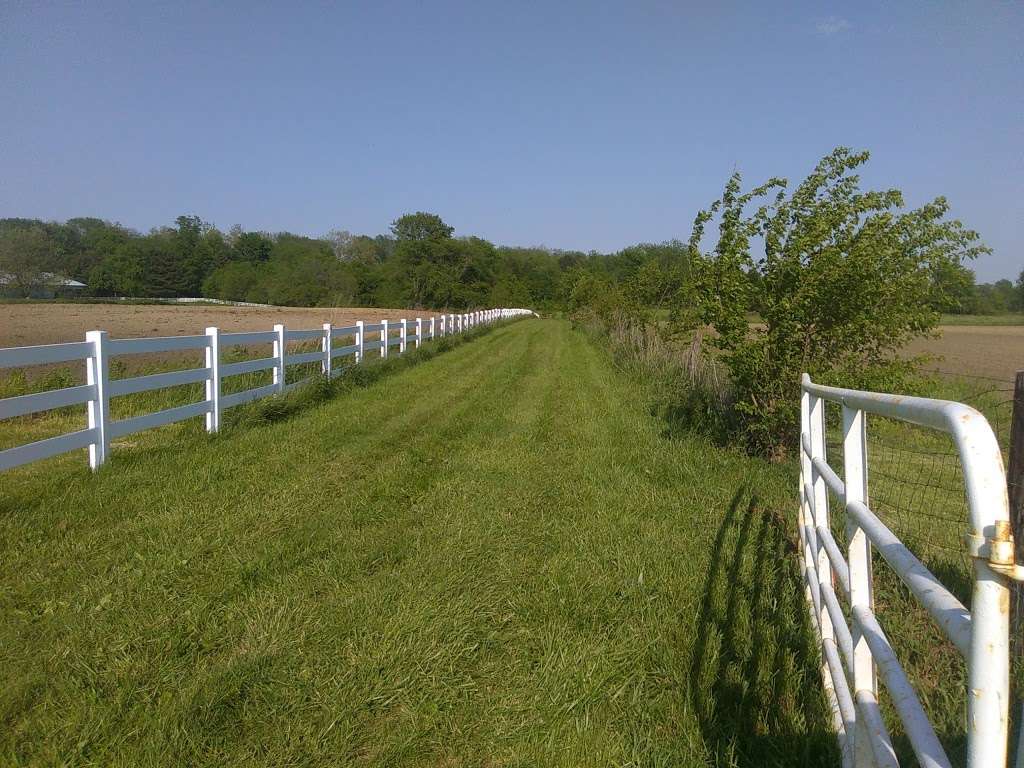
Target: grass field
x,y
492,558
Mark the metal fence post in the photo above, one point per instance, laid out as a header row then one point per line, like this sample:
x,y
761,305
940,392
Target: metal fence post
x,y
1015,494
403,335
213,383
419,331
359,341
328,342
384,339
280,347
97,371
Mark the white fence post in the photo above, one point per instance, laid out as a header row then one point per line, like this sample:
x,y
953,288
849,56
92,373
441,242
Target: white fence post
x,y
97,373
359,341
419,331
431,327
280,347
403,335
328,342
384,339
213,383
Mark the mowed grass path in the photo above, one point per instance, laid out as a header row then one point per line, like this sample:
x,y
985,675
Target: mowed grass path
x,y
493,558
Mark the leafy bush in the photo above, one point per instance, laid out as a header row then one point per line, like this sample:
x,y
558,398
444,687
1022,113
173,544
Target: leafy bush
x,y
842,284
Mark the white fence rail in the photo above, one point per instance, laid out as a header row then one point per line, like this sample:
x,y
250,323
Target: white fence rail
x,y
856,653
98,349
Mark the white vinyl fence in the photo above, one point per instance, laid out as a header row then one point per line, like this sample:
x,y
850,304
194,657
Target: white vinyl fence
x,y
857,653
98,350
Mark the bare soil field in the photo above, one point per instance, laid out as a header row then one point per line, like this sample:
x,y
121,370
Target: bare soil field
x,y
25,324
995,351
53,323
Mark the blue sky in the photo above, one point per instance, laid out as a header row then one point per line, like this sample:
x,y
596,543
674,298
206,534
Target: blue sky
x,y
574,125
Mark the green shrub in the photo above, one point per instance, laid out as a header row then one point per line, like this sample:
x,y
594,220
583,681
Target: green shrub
x,y
843,283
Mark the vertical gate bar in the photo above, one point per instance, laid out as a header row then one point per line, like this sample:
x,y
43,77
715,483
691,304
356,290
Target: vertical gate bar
x,y
384,339
855,480
403,335
808,547
820,504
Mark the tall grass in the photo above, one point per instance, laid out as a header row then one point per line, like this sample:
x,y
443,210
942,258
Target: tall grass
x,y
683,383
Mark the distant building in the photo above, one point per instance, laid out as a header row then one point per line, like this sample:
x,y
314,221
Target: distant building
x,y
48,286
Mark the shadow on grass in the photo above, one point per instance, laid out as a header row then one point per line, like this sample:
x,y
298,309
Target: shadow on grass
x,y
754,681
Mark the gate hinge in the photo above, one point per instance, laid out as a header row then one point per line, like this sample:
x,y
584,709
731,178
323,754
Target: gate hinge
x,y
998,552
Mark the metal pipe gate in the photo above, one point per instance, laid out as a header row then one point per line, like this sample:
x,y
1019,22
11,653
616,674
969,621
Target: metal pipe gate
x,y
856,654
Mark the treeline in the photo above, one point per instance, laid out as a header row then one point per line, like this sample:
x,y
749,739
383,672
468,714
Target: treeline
x,y
418,263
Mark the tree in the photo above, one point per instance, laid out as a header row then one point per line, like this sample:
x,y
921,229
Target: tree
x,y
25,255
420,226
340,241
233,281
253,247
952,288
844,283
119,274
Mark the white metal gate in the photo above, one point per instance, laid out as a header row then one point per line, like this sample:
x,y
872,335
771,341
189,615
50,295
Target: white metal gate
x,y
856,653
